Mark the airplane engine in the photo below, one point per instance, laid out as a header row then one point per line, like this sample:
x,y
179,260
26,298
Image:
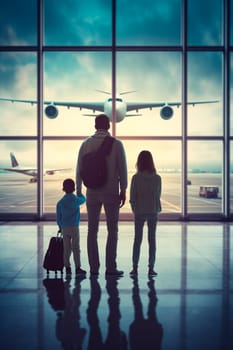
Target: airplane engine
x,y
51,111
166,112
50,172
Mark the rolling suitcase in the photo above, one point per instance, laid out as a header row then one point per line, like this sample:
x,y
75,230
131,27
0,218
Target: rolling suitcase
x,y
53,260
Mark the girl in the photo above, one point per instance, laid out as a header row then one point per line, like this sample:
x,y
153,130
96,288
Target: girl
x,y
145,192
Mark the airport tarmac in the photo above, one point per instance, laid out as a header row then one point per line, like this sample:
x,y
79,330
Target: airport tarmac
x,y
18,195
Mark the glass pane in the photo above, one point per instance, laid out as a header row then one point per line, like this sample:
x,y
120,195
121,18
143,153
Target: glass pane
x,y
205,22
167,159
72,80
205,89
18,23
17,173
151,23
231,22
205,175
231,176
83,23
60,159
149,83
18,82
231,265
231,95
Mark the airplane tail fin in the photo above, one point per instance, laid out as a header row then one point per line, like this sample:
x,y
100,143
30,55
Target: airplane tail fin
x,y
14,162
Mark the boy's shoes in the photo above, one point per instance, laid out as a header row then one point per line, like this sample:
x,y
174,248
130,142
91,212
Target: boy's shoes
x,y
114,273
79,271
68,271
152,273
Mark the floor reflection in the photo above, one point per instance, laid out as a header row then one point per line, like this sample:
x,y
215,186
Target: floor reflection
x,y
145,332
66,302
95,340
188,306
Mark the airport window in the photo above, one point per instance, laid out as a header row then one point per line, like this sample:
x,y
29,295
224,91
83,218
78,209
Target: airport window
x,y
58,168
231,94
19,196
231,23
231,177
205,83
167,158
154,23
18,79
205,176
205,23
72,77
150,79
81,23
18,23
167,68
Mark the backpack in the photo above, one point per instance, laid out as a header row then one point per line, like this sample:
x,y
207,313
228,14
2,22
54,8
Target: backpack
x,y
94,171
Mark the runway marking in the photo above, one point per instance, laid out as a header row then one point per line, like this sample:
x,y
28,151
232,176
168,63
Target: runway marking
x,y
176,207
208,201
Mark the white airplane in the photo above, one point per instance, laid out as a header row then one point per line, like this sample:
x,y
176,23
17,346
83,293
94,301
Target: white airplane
x,y
15,167
122,107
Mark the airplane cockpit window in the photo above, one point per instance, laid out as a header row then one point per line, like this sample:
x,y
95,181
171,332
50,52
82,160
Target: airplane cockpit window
x,y
118,99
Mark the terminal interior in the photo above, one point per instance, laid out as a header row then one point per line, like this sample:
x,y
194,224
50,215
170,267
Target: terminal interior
x,y
176,58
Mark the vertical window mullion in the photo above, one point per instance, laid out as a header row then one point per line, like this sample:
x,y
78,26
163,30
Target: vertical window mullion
x,y
184,109
113,67
40,191
226,110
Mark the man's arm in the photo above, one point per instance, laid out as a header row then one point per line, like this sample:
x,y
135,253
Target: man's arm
x,y
78,176
123,173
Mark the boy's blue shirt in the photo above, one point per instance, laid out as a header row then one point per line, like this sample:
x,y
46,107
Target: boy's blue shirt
x,y
68,210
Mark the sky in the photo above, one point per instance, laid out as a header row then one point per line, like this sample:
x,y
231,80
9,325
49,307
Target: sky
x,y
76,76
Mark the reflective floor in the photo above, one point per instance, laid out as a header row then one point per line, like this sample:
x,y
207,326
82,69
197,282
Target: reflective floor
x,y
189,305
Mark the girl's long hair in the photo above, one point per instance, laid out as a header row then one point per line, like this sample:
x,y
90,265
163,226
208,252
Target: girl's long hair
x,y
145,162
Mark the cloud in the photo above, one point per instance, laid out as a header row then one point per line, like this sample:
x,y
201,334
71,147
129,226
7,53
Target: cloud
x,y
18,21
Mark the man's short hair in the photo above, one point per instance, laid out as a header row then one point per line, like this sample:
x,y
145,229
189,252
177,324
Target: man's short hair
x,y
68,185
102,122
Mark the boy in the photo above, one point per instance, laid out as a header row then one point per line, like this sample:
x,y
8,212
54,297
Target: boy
x,y
68,219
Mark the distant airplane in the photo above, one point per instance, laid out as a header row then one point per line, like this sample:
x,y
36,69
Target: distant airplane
x,y
15,167
121,106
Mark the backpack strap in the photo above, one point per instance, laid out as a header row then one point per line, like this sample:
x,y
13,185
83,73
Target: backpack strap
x,y
106,145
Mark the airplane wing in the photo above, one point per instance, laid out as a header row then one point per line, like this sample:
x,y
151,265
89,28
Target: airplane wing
x,y
99,106
95,106
29,172
33,172
141,105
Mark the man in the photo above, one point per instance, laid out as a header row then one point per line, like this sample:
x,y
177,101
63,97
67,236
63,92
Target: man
x,y
111,196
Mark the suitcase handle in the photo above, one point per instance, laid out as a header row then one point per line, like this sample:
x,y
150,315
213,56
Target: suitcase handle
x,y
59,233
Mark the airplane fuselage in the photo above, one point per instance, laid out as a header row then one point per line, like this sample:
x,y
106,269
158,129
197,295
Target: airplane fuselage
x,y
120,107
